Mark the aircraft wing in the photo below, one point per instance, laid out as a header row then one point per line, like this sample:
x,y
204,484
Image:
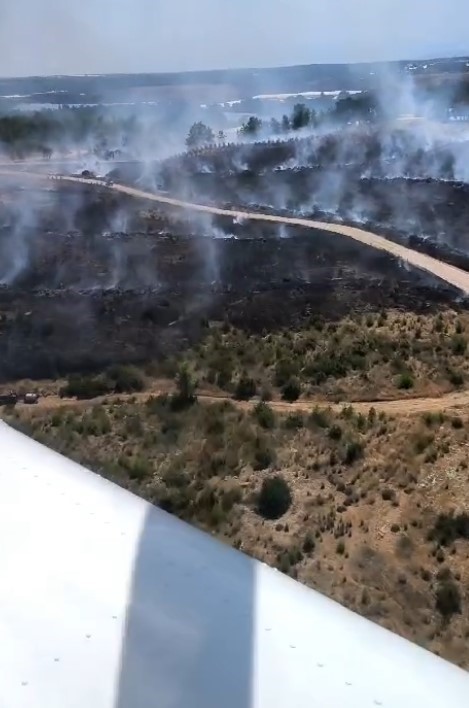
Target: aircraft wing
x,y
108,602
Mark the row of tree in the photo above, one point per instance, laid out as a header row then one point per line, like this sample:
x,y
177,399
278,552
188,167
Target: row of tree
x,y
25,133
363,107
201,135
301,117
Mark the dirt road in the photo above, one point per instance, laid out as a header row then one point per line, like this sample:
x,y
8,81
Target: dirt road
x,y
457,400
448,273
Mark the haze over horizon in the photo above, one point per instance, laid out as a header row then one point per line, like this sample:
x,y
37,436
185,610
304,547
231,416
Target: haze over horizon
x,y
44,37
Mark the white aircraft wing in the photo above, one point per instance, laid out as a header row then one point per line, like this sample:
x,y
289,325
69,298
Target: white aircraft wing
x,y
108,602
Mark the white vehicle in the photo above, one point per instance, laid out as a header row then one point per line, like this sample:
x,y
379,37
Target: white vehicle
x,y
108,602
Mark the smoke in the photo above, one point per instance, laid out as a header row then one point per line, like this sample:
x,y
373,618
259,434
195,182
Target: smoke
x,y
18,220
403,169
330,169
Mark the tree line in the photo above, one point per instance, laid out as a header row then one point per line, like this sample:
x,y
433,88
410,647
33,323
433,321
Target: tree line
x,y
22,134
363,107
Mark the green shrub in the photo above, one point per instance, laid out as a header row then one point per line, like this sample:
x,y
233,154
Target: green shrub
x,y
448,599
264,416
185,393
458,345
139,469
326,366
456,378
285,369
353,452
335,432
245,388
309,543
318,418
449,527
294,421
405,381
85,387
126,379
275,498
291,391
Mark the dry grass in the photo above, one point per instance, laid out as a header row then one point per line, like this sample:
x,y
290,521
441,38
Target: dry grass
x,y
366,494
371,357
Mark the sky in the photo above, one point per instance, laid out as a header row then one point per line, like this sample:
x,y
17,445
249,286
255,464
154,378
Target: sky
x,y
41,37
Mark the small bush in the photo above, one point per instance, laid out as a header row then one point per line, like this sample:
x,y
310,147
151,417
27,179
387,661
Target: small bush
x,y
139,469
422,441
264,455
456,378
185,393
308,543
126,379
449,527
275,498
431,419
405,382
458,345
294,421
245,388
388,494
264,416
285,369
85,387
335,432
353,452
318,418
448,599
291,391
340,548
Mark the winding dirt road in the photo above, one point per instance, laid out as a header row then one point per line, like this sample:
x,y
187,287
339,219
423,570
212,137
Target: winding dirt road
x,y
448,273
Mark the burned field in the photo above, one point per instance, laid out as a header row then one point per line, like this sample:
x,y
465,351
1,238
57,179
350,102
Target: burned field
x,y
90,279
408,185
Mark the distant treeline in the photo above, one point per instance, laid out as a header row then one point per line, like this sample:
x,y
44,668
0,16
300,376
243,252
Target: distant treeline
x,y
41,132
363,107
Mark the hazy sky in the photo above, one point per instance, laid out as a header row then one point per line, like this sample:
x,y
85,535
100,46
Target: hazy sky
x,y
97,36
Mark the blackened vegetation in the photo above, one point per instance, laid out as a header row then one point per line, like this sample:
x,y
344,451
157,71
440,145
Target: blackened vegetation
x,y
49,333
410,193
92,297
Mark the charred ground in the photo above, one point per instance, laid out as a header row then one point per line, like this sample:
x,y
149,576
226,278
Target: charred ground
x,y
408,183
97,280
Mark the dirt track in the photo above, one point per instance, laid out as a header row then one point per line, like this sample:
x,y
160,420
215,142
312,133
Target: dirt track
x,y
406,406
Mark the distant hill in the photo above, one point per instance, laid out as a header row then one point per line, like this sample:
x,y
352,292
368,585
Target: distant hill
x,y
230,84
